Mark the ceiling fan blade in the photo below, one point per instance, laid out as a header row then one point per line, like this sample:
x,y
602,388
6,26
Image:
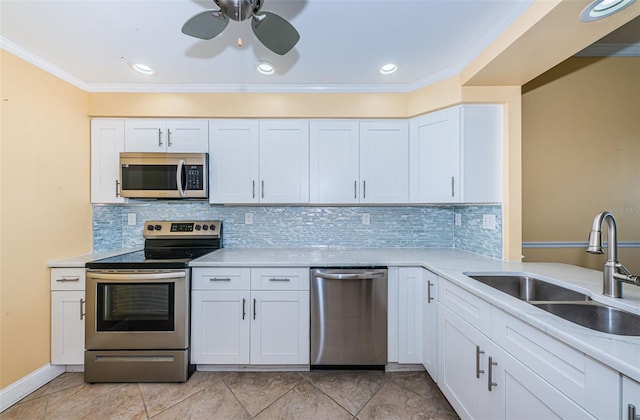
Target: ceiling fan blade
x,y
275,32
205,25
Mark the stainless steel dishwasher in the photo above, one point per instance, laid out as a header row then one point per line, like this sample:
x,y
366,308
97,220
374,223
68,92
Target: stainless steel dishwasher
x,y
349,317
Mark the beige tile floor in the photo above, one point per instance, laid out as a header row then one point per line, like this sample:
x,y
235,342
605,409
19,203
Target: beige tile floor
x,y
243,395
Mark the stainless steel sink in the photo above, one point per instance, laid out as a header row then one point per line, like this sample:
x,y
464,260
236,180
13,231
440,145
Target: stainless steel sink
x,y
529,288
568,304
596,316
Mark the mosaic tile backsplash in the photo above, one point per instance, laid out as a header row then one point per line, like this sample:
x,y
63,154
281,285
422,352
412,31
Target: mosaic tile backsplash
x,y
412,227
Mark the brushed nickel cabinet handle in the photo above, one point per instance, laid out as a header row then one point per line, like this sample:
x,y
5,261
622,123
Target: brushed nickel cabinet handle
x,y
490,383
631,413
478,370
159,137
262,187
244,311
453,186
117,188
169,137
429,297
253,189
279,279
254,309
355,189
82,313
65,279
364,189
220,279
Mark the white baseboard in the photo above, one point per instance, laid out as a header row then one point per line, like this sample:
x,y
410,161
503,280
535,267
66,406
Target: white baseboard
x,y
27,384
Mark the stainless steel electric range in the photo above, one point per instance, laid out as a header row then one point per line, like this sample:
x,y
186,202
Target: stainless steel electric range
x,y
138,305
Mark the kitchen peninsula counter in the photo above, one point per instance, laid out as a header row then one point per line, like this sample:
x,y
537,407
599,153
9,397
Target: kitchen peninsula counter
x,y
621,353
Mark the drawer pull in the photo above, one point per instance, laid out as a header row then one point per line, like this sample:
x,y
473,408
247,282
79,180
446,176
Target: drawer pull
x,y
429,298
244,312
82,313
490,383
478,370
64,279
279,279
220,279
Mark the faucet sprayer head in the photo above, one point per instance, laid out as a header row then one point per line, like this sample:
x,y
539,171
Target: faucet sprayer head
x,y
595,242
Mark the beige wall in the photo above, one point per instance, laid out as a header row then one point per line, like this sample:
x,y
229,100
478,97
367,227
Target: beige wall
x,y
45,204
581,155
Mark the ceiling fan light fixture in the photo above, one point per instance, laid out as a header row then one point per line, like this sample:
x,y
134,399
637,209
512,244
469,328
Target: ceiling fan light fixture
x,y
266,68
143,69
600,9
388,69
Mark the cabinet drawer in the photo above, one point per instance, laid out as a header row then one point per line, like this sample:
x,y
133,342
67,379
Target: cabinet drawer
x,y
586,381
223,278
280,278
469,307
68,278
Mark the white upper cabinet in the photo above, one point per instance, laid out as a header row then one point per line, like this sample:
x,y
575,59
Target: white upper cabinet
x,y
259,161
233,161
334,162
359,162
384,161
435,157
456,155
284,161
151,135
107,141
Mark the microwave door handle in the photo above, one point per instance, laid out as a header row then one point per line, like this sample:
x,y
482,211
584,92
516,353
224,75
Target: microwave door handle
x,y
179,178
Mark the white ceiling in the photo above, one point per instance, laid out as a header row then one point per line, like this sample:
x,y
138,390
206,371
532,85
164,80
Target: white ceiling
x,y
343,43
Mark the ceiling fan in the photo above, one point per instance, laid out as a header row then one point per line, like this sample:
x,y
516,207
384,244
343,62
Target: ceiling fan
x,y
274,31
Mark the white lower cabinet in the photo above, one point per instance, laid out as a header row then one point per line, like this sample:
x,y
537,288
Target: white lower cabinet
x,y
67,316
630,399
430,323
493,366
247,326
410,306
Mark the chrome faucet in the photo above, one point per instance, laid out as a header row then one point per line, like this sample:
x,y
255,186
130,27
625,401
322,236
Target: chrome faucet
x,y
614,273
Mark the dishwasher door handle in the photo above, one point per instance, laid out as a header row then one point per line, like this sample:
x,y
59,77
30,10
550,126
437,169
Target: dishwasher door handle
x,y
367,275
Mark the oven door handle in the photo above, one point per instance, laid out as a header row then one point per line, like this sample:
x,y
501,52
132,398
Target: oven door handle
x,y
139,277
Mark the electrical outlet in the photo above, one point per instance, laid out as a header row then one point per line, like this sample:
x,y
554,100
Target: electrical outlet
x,y
248,218
489,221
366,218
458,219
131,219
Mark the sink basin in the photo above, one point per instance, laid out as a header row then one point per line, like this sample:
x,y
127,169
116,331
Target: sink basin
x,y
529,288
596,316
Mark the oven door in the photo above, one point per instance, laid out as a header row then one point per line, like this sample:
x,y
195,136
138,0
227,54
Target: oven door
x,y
144,309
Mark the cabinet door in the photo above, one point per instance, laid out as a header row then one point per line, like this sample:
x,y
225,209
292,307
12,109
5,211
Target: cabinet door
x,y
461,364
334,162
107,141
630,399
435,157
220,325
145,135
284,161
430,324
233,161
516,392
188,136
280,327
481,140
410,306
384,162
67,328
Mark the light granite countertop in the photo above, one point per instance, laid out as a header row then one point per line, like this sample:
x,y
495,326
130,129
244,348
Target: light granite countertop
x,y
622,353
619,352
80,260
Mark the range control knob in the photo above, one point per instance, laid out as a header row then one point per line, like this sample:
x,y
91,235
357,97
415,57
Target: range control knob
x,y
149,227
158,227
212,227
198,227
205,227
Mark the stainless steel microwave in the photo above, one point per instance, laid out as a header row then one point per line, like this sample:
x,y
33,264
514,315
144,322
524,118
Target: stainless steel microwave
x,y
164,175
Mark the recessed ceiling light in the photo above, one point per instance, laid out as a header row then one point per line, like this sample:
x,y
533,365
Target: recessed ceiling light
x,y
142,68
266,68
388,69
602,8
